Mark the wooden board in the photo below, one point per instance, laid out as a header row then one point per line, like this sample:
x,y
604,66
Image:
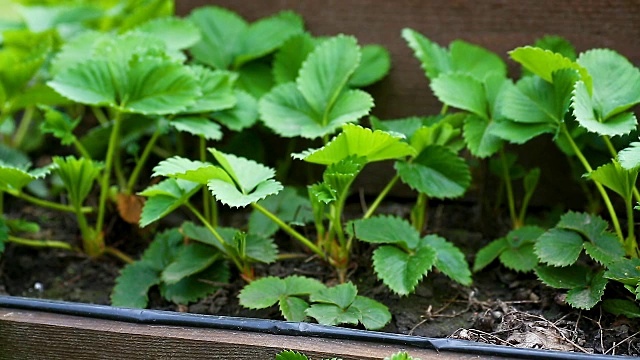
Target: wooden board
x,y
500,25
38,335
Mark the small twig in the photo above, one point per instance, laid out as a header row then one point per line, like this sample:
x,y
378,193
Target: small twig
x,y
558,330
480,333
622,342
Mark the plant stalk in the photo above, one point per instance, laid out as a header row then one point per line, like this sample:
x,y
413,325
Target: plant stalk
x,y
118,254
419,212
23,128
381,197
102,119
106,176
289,230
45,203
509,187
603,193
41,243
133,178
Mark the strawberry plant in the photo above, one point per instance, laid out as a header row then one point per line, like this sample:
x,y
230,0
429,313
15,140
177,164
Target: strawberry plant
x,y
294,355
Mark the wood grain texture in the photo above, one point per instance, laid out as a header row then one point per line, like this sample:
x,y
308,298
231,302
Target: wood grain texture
x,y
38,335
499,25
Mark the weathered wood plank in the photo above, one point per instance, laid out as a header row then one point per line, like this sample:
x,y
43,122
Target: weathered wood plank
x,y
38,335
500,25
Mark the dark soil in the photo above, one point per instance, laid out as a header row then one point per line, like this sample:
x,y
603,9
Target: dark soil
x,y
501,307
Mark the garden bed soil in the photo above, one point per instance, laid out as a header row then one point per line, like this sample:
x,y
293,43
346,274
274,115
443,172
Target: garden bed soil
x,y
501,307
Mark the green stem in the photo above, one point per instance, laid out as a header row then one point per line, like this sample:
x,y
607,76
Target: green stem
x,y
206,223
444,109
210,207
631,245
41,243
90,245
419,212
160,152
603,193
81,149
102,119
118,169
524,206
46,203
23,128
133,178
510,198
106,176
119,254
381,197
289,230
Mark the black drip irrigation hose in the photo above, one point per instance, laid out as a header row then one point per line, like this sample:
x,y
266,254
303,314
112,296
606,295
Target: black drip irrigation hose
x,y
276,327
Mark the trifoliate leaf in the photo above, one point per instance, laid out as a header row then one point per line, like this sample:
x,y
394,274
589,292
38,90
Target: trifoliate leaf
x,y
461,91
449,259
569,277
629,158
434,59
288,206
616,178
489,253
616,81
267,291
197,286
385,230
244,114
78,176
191,259
402,271
545,62
59,125
587,113
437,172
374,65
176,33
559,247
373,315
190,170
442,133
341,295
165,197
133,284
199,126
619,307
479,136
147,86
216,90
586,297
330,314
626,271
289,58
360,142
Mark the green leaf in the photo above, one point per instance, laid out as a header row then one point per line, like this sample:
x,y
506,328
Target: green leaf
x,y
569,277
163,249
479,136
176,33
266,292
191,259
616,178
588,115
204,235
434,59
400,356
489,253
243,115
534,100
437,172
59,125
385,230
190,170
559,247
256,78
261,248
147,86
360,142
475,60
330,314
589,225
616,81
216,90
165,197
586,297
340,175
373,315
78,176
461,91
519,133
4,233
558,45
198,126
251,181
629,158
222,31
293,308
521,259
605,248
341,295
449,259
545,62
289,58
626,271
17,177
287,205
133,284
326,71
402,271
290,355
197,286
619,307
374,65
